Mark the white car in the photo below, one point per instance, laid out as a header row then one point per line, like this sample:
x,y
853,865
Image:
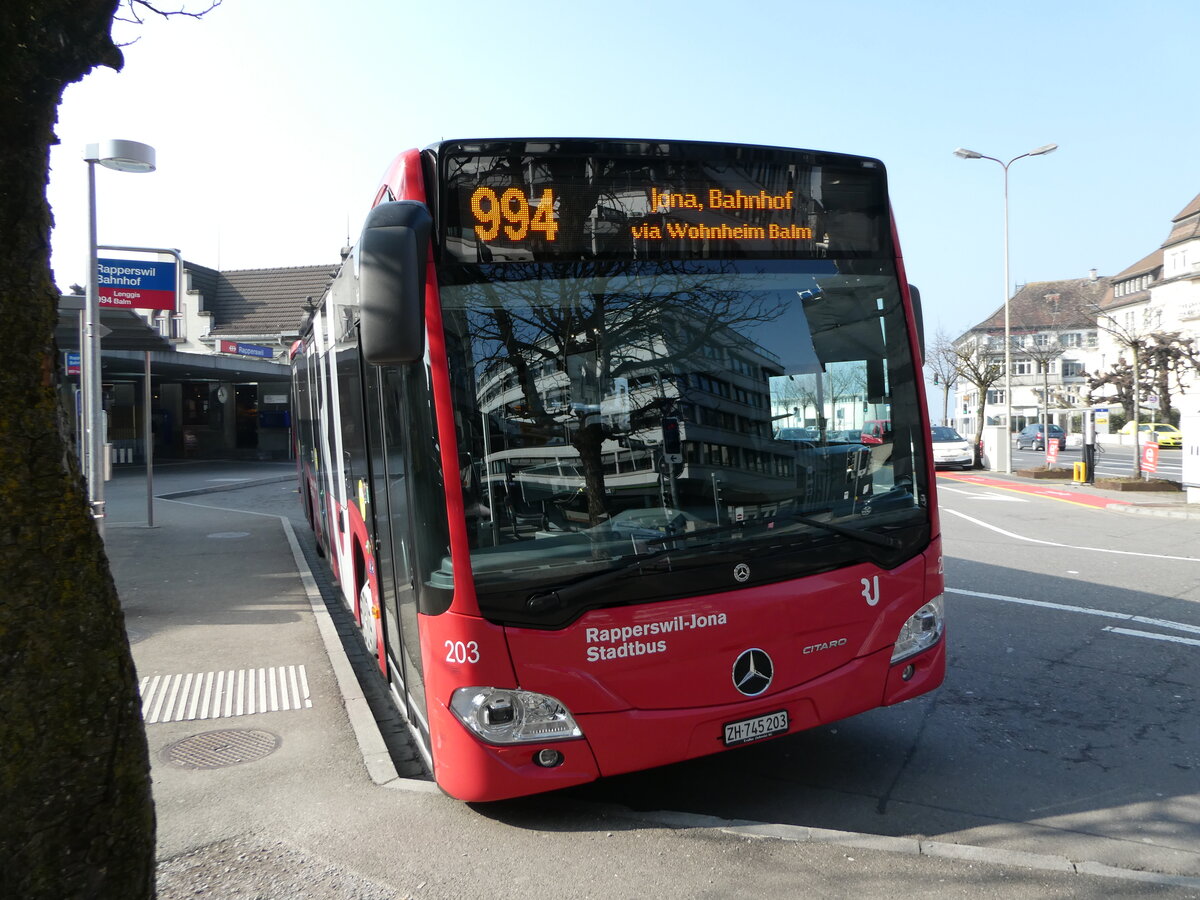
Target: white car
x,y
950,448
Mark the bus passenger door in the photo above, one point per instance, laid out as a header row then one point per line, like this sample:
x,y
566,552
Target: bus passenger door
x,y
393,551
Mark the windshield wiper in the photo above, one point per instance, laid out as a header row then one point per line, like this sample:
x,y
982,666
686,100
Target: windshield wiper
x,y
556,598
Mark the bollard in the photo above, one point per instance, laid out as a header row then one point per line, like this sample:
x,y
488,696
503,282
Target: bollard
x,y
1080,469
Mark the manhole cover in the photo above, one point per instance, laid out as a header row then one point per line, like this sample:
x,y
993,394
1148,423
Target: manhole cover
x,y
217,749
229,535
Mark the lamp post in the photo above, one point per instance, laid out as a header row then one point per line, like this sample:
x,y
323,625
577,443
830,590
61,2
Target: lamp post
x,y
971,154
124,156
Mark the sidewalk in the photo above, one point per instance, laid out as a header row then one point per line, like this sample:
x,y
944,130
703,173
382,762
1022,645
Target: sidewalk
x,y
271,782
1172,504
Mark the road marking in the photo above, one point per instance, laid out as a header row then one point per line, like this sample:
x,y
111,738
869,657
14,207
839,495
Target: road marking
x,y
1102,613
1090,501
1150,634
975,495
1082,610
223,695
1021,537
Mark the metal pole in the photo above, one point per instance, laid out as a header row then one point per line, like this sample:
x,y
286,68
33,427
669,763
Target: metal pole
x,y
92,377
964,153
148,437
1008,428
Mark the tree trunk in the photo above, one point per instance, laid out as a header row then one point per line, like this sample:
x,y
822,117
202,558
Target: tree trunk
x,y
588,441
976,445
78,820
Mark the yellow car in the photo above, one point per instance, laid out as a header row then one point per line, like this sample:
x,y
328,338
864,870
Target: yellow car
x,y
1168,435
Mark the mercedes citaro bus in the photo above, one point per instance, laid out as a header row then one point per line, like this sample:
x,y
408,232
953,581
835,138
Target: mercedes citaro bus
x,y
571,423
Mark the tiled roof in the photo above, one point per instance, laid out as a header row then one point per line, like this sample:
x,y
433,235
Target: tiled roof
x,y
1143,266
1190,210
1186,225
1050,304
265,301
201,278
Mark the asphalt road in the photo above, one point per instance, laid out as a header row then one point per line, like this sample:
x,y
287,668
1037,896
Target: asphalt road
x,y
1065,727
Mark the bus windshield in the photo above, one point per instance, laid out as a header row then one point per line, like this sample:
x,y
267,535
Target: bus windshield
x,y
638,417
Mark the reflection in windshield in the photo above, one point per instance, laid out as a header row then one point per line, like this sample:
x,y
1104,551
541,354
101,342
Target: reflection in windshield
x,y
604,406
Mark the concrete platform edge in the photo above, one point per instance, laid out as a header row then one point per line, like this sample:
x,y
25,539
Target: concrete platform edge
x,y
378,762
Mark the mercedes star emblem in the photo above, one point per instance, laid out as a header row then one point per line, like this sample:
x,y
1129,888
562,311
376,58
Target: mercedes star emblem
x,y
752,672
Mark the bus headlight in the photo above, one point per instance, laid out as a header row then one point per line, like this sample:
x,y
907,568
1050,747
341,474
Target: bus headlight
x,y
503,716
922,630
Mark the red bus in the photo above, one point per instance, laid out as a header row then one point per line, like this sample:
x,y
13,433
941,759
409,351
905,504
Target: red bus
x,y
579,425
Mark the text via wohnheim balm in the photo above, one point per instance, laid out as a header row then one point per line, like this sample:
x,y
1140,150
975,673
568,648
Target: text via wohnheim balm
x,y
625,641
667,201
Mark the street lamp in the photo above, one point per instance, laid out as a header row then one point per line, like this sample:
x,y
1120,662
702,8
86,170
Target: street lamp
x,y
971,154
124,156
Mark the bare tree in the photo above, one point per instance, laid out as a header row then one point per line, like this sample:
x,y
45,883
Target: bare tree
x,y
75,776
943,364
1133,332
1169,357
597,323
980,368
1043,355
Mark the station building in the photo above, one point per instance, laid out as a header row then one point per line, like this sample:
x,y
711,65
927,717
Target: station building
x,y
218,364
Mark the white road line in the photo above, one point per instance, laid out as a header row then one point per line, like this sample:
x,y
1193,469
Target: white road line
x,y
1022,537
1101,613
200,695
976,495
1157,637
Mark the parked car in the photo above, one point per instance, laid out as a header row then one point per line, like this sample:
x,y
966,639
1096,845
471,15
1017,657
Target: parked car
x,y
950,448
1031,437
875,430
1168,435
808,433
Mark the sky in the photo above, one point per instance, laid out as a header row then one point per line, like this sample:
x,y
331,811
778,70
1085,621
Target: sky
x,y
273,123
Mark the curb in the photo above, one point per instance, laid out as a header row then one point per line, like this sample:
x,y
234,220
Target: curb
x,y
370,741
915,847
1186,511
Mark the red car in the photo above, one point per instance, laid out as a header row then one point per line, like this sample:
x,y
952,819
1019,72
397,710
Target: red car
x,y
874,430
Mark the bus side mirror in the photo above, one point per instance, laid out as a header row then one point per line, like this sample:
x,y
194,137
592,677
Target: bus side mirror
x,y
390,262
915,296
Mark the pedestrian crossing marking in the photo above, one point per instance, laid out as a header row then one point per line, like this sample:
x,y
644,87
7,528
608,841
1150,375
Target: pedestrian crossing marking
x,y
196,696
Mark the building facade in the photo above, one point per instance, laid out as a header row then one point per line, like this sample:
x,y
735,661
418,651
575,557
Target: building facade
x,y
218,364
1066,333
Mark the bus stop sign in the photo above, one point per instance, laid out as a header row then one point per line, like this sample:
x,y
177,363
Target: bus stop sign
x,y
137,284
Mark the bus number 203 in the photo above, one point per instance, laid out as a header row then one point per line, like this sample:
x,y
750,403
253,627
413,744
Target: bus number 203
x,y
462,652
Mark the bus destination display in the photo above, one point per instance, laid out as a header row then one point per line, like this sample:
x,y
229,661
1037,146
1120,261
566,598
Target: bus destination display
x,y
538,208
